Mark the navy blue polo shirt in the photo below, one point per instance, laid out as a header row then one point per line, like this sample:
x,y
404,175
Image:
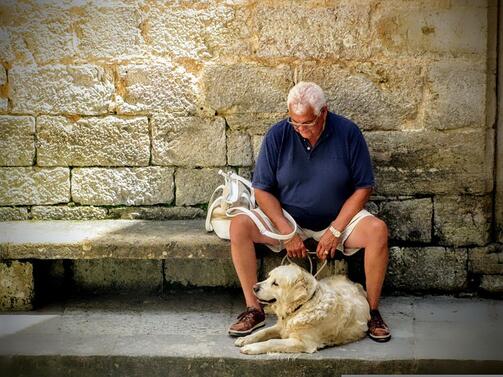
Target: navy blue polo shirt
x,y
312,184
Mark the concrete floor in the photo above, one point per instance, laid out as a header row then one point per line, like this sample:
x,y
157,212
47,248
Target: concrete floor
x,y
193,324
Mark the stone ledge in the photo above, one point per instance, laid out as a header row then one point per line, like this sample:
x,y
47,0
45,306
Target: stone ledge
x,y
134,239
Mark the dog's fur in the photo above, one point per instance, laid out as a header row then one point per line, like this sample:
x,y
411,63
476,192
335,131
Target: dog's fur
x,y
311,314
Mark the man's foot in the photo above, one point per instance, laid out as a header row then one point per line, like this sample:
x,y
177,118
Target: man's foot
x,y
248,321
378,330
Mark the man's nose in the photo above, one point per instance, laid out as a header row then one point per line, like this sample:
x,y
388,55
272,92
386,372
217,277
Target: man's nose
x,y
256,288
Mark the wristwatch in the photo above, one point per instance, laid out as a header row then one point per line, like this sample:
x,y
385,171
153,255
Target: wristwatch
x,y
335,232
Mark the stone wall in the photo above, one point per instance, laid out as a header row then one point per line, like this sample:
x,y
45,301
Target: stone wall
x,y
128,108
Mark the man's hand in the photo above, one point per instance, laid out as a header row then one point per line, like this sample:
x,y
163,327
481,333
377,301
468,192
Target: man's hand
x,y
295,247
327,246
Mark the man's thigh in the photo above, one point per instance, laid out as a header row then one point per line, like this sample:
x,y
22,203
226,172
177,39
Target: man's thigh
x,y
256,235
362,233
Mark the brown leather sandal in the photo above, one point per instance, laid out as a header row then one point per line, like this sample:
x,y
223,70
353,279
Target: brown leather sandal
x,y
378,330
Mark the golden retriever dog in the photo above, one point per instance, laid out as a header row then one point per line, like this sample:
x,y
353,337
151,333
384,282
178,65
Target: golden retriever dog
x,y
311,314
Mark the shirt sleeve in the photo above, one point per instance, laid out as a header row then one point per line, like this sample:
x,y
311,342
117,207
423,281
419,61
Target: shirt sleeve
x,y
360,161
264,175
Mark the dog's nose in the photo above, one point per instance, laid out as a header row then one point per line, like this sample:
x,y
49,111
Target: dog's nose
x,y
256,288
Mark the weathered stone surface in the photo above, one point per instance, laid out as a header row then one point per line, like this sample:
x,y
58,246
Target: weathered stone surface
x,y
108,141
207,273
25,186
409,220
256,144
13,213
110,30
253,123
272,260
129,186
68,213
462,220
85,89
188,141
195,186
239,149
426,269
4,104
427,162
418,28
246,88
156,213
17,140
197,32
492,283
457,95
327,32
157,86
117,274
3,75
380,96
486,260
16,286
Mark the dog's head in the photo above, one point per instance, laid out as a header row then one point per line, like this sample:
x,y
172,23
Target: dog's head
x,y
285,289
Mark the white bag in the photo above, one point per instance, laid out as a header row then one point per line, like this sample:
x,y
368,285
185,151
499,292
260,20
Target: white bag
x,y
237,198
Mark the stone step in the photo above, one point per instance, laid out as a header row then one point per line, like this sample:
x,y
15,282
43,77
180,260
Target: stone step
x,y
184,334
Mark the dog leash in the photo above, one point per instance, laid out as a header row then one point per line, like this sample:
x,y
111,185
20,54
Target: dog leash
x,y
286,257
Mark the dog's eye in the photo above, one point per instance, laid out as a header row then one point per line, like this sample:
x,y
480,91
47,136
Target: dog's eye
x,y
274,283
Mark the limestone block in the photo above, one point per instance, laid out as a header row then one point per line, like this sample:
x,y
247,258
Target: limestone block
x,y
198,33
89,141
246,173
427,269
416,29
117,274
492,283
16,285
486,260
85,89
110,30
327,32
256,144
17,140
195,186
246,88
129,186
193,272
13,213
25,186
156,213
239,149
188,141
257,123
3,75
157,86
428,162
457,95
409,220
68,213
381,96
462,220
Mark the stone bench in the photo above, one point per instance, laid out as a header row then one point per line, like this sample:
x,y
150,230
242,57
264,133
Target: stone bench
x,y
38,257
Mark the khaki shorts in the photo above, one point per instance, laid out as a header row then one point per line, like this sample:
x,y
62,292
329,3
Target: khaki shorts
x,y
316,235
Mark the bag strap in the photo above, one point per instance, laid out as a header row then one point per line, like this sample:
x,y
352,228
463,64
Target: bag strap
x,y
235,211
212,205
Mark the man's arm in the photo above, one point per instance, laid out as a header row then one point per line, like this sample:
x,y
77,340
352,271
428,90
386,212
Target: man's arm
x,y
272,208
354,204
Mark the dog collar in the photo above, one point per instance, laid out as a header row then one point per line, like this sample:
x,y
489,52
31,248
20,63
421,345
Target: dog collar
x,y
309,299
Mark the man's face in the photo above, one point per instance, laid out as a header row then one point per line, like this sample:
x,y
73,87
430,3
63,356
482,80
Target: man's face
x,y
307,124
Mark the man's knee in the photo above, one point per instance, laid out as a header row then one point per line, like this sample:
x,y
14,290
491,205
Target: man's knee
x,y
378,231
241,226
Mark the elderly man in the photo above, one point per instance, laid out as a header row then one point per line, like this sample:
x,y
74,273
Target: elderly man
x,y
315,165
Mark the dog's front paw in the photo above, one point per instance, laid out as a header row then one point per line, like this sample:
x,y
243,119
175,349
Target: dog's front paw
x,y
251,349
240,342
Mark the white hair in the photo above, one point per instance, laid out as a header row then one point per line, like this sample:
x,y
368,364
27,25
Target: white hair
x,y
305,95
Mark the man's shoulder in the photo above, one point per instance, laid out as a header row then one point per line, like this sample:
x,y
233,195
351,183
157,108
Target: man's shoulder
x,y
277,130
342,123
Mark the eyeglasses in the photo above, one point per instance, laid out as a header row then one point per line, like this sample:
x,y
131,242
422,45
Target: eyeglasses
x,y
307,124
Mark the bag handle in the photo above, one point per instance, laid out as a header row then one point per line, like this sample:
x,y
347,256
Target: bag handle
x,y
263,230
